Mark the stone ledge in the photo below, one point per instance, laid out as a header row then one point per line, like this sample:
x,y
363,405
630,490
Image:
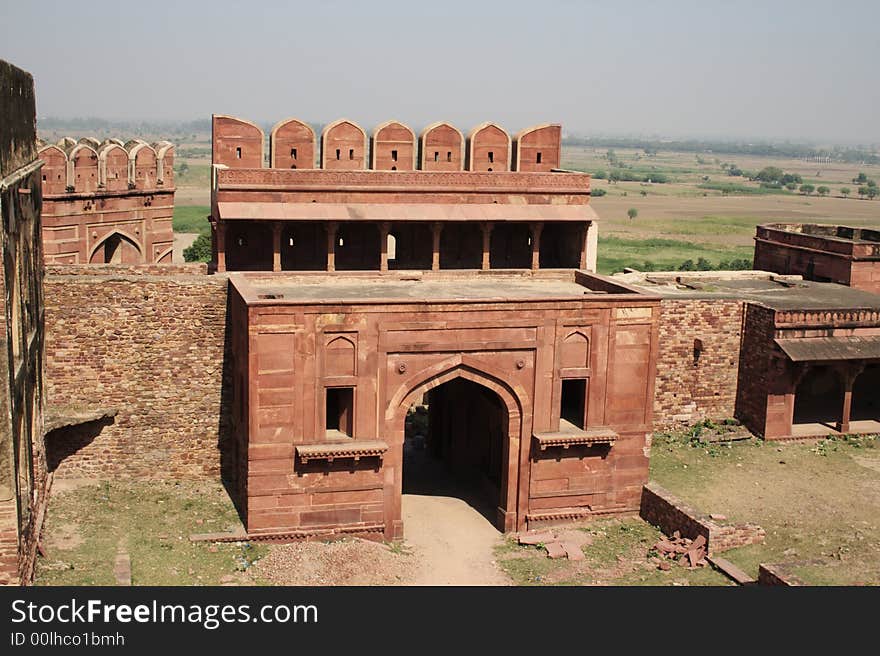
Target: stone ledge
x,y
565,439
355,449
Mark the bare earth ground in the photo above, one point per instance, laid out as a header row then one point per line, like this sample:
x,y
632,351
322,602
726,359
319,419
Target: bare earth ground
x,y
182,240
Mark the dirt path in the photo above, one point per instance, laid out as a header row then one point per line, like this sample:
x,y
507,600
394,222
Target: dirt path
x,y
452,541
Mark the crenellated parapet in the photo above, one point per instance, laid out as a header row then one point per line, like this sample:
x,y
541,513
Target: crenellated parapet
x,y
344,145
88,166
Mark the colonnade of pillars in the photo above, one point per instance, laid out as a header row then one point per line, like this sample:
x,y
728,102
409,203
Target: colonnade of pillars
x,y
848,373
587,257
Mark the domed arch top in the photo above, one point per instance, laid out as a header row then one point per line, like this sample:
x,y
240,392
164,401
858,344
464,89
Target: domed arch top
x,y
394,147
442,148
113,168
538,148
82,168
143,165
292,145
488,148
343,146
54,170
236,143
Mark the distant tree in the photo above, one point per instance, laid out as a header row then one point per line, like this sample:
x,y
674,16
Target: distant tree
x,y
600,174
791,186
769,174
734,170
861,178
863,191
598,192
703,264
788,178
632,213
687,265
643,192
873,192
200,251
807,189
823,190
845,191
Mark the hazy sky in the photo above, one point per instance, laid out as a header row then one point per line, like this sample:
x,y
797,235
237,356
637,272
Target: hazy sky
x,y
778,69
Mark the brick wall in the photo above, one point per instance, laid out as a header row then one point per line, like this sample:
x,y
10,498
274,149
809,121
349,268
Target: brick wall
x,y
669,513
149,342
754,368
690,388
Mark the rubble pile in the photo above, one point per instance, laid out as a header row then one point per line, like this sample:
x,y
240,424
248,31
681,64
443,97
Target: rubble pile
x,y
686,552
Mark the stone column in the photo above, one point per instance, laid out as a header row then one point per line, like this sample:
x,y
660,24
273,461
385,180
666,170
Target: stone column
x,y
436,230
332,229
849,376
487,245
384,230
536,229
276,246
590,246
220,234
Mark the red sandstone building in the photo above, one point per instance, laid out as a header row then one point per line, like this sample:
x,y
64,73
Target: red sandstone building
x,y
451,306
825,253
789,358
109,202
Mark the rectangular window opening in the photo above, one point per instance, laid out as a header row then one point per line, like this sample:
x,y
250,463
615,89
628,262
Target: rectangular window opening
x,y
351,153
293,153
338,153
393,155
238,152
538,158
491,157
436,157
573,403
339,411
448,155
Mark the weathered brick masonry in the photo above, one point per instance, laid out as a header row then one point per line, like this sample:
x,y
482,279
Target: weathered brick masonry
x,y
149,342
698,359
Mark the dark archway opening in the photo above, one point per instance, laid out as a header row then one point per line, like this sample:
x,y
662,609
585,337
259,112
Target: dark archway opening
x,y
358,247
249,248
412,246
461,246
866,395
819,398
561,245
510,246
117,249
454,445
304,247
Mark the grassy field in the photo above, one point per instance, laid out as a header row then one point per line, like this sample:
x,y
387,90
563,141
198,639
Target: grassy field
x,y
87,525
818,500
191,218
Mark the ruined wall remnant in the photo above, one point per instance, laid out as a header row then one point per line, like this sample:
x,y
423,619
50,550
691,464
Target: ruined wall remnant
x,y
23,478
148,342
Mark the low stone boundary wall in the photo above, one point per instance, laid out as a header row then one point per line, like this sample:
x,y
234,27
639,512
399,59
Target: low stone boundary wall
x,y
781,573
669,513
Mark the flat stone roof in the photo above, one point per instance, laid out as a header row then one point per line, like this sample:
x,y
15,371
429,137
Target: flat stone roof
x,y
773,290
827,231
403,287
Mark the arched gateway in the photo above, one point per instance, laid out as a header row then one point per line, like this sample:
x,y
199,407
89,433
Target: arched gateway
x,y
461,438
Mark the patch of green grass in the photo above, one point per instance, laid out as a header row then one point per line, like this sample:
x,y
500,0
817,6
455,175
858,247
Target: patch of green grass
x,y
193,175
615,253
815,500
191,218
153,521
617,555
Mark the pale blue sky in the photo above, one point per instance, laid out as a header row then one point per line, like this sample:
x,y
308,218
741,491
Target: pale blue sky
x,y
776,69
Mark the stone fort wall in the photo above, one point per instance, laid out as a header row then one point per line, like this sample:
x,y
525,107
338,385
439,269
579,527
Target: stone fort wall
x,y
698,360
147,342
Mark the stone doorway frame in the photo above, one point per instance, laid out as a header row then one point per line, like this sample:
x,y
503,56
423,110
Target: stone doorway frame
x,y
468,368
